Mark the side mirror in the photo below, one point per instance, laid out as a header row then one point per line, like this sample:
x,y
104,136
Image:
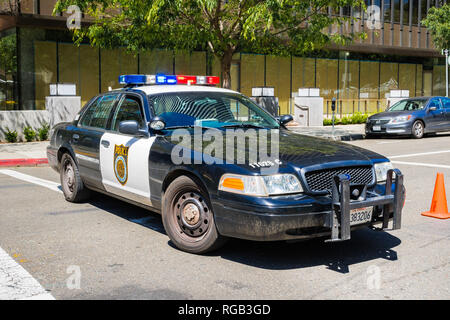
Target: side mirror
x,y
433,108
157,124
130,127
285,119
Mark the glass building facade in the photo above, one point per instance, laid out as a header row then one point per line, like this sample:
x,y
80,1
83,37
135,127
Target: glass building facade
x,y
37,50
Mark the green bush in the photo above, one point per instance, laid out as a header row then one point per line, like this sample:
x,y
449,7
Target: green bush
x,y
327,122
346,120
29,134
11,136
359,118
43,132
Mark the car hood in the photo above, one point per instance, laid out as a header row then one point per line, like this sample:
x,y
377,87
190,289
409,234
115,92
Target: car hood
x,y
390,114
300,151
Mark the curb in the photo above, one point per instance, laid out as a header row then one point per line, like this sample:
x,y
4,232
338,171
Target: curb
x,y
23,162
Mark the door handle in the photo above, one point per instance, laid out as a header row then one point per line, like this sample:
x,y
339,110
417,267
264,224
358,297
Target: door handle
x,y
76,137
105,143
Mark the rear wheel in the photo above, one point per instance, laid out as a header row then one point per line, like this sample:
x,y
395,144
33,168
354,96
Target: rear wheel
x,y
418,129
188,218
72,186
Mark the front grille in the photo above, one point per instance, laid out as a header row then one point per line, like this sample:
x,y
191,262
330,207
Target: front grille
x,y
379,122
322,180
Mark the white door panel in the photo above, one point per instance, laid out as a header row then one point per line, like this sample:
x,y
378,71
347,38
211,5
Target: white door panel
x,y
124,166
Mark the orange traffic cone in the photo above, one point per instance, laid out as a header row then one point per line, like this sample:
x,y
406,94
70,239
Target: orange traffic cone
x,y
439,203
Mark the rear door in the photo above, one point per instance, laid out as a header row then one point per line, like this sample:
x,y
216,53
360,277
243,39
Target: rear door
x,y
86,138
124,158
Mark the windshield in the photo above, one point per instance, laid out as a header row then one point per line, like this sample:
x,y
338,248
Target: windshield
x,y
209,109
409,105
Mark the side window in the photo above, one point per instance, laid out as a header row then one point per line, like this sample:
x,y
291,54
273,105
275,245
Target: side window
x,y
446,102
435,103
129,109
98,113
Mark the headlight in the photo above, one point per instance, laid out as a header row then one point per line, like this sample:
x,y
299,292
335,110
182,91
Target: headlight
x,y
400,119
381,170
260,185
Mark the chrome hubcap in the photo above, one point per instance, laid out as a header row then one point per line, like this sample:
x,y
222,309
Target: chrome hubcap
x,y
418,129
192,214
69,177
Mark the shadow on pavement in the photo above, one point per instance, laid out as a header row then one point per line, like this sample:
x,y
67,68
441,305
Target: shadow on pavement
x,y
365,244
128,211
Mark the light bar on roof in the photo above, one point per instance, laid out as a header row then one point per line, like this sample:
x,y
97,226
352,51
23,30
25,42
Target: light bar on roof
x,y
162,79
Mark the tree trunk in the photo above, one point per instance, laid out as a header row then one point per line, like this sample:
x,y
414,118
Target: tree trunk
x,y
225,64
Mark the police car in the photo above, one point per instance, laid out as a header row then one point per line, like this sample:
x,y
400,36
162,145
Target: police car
x,y
123,142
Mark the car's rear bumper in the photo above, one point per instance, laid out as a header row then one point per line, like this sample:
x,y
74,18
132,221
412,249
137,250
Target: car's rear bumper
x,y
52,156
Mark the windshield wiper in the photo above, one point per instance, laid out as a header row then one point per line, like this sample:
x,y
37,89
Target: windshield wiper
x,y
244,125
188,127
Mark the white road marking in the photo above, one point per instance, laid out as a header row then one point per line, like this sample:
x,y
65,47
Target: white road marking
x,y
25,177
418,154
387,142
432,165
17,284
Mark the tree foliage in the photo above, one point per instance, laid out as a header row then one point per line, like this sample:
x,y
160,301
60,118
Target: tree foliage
x,y
279,27
438,23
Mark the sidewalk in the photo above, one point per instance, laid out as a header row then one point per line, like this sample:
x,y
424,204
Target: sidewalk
x,y
23,154
341,132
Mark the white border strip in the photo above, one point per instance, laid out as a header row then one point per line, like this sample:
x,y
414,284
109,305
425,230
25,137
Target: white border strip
x,y
418,154
17,284
432,165
25,177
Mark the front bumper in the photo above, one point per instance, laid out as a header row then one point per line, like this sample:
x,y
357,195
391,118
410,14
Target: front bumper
x,y
389,128
311,218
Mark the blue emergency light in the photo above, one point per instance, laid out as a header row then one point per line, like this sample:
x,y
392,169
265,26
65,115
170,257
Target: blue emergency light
x,y
162,79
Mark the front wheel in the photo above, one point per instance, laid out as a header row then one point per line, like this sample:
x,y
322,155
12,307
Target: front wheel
x,y
418,129
188,218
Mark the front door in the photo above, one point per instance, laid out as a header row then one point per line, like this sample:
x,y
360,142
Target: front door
x,y
124,158
446,104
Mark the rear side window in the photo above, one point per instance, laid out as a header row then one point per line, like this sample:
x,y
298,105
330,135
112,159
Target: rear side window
x,y
98,113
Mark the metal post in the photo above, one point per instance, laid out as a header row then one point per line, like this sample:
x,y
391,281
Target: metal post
x,y
333,109
446,72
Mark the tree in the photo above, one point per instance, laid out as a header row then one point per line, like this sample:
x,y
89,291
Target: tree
x,y
10,7
438,23
280,27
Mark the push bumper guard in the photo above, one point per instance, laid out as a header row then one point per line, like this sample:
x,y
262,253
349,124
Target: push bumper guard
x,y
344,194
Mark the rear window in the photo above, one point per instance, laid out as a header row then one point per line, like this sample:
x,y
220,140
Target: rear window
x,y
98,113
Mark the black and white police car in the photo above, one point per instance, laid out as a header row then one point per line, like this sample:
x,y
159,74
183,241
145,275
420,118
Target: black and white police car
x,y
122,144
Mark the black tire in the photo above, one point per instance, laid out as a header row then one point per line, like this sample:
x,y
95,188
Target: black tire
x,y
418,129
188,218
72,186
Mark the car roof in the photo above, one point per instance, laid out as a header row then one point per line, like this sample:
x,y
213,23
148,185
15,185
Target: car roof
x,y
156,89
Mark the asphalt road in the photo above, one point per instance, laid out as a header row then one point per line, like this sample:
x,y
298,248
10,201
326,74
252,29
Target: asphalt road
x,y
121,251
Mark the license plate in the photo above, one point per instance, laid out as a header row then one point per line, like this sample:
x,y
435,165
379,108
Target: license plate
x,y
376,128
361,215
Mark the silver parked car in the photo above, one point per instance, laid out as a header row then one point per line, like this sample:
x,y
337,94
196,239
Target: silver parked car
x,y
414,116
